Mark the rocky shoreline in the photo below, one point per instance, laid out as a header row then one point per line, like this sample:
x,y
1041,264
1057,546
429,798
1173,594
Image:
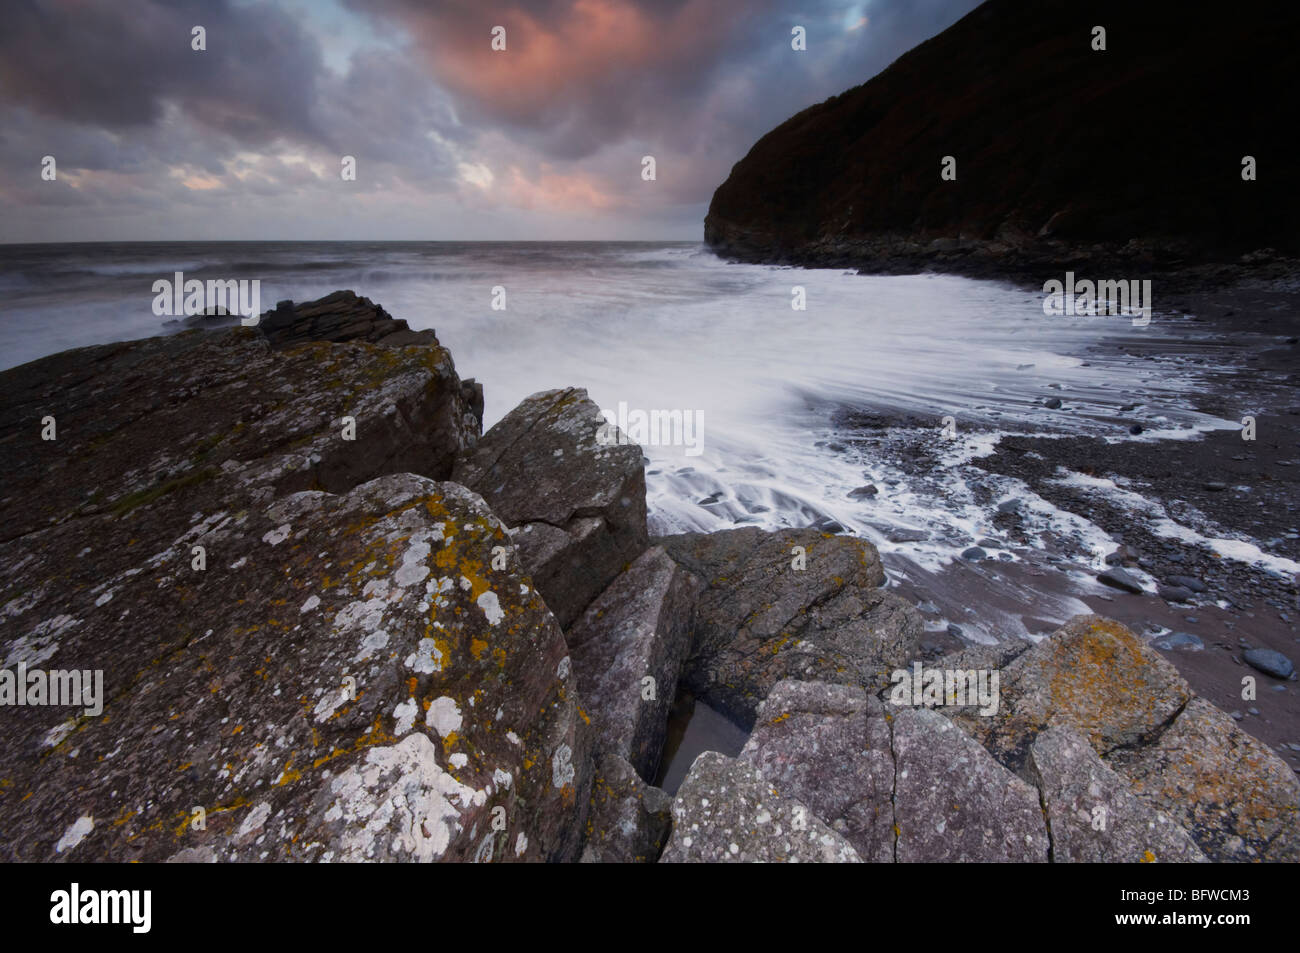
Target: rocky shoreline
x,y
336,621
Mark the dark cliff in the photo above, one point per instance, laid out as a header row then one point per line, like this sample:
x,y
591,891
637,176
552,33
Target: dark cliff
x,y
1062,152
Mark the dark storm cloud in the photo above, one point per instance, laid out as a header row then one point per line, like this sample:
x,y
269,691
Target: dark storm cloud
x,y
116,64
249,133
579,75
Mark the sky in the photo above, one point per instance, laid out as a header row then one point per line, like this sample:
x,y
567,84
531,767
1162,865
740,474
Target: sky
x,y
245,139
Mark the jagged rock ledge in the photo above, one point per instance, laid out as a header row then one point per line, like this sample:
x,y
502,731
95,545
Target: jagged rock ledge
x,y
336,621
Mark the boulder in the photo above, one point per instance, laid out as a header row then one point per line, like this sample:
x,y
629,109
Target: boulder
x,y
348,679
1093,816
629,820
1237,799
1092,676
639,628
575,503
954,803
726,812
828,745
761,619
148,429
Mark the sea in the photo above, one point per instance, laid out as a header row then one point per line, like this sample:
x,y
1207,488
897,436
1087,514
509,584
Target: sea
x,y
800,386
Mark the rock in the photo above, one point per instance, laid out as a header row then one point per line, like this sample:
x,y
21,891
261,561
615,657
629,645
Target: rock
x,y
760,619
1179,640
1092,676
863,492
988,657
954,803
638,628
1118,578
349,679
1231,793
1122,555
1214,486
974,554
1174,593
1187,582
902,534
1009,506
725,812
1135,429
1052,403
1092,814
630,820
338,317
575,506
1269,662
988,542
165,427
828,745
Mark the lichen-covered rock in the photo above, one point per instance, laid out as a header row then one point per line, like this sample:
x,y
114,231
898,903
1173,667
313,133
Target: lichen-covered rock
x,y
1237,799
726,812
828,745
628,649
575,504
629,820
1093,815
953,802
762,619
148,430
1232,795
1092,676
350,678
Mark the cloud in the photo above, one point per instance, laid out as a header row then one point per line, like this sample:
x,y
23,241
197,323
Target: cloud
x,y
450,137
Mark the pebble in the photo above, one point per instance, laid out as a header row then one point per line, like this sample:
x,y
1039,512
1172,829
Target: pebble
x,y
1120,579
1174,593
1179,640
1270,662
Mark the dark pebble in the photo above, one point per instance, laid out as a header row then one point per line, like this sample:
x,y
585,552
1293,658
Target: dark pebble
x,y
1270,662
1120,579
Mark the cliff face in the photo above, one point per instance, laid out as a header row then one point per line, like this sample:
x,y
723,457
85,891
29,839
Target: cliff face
x,y
1059,148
